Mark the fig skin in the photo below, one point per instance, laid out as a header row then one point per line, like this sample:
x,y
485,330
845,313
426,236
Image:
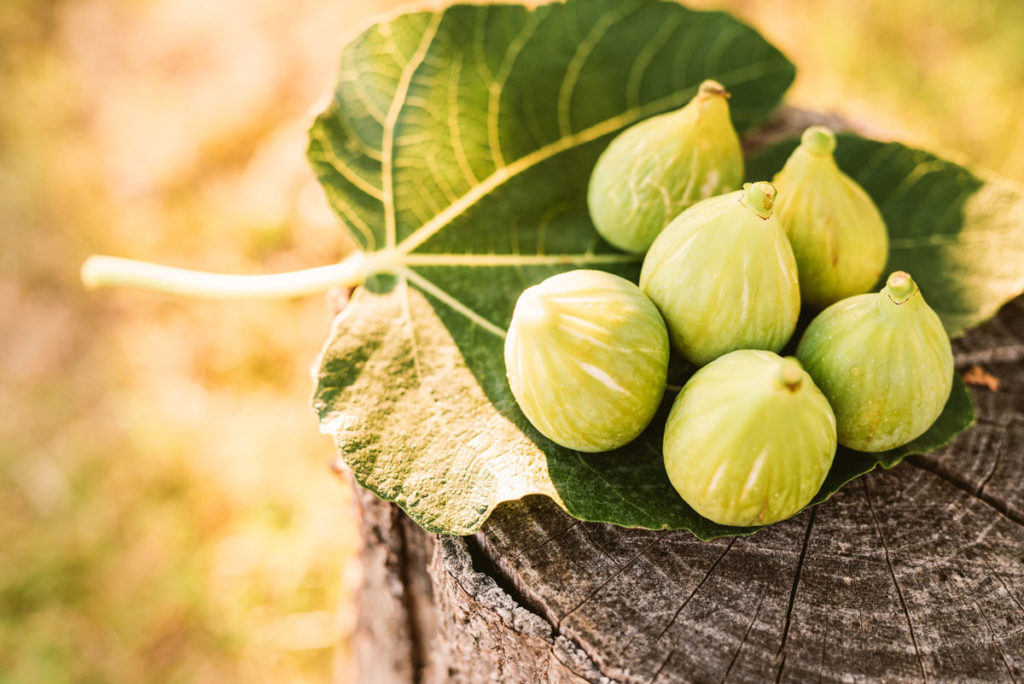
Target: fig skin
x,y
658,167
749,439
885,363
838,235
586,357
724,277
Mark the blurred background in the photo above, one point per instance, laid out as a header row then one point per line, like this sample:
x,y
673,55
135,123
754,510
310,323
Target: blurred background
x,y
166,509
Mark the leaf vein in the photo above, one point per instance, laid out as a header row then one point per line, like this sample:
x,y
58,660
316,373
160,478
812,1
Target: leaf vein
x,y
454,131
375,112
453,303
397,103
389,43
351,217
645,57
442,182
723,41
441,259
578,61
479,53
498,85
330,155
407,317
528,161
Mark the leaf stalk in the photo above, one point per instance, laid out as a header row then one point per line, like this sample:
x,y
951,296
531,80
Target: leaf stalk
x,y
108,271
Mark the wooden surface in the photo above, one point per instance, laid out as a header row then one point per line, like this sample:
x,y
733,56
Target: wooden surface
x,y
905,575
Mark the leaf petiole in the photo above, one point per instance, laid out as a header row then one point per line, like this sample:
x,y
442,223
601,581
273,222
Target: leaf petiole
x,y
107,271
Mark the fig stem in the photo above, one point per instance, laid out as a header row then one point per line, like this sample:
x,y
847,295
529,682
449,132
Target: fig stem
x,y
108,271
790,374
819,140
901,286
759,198
712,87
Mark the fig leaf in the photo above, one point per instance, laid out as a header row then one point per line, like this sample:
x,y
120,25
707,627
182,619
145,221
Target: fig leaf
x,y
457,150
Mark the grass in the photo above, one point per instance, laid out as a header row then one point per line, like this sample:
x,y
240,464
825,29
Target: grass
x,y
166,512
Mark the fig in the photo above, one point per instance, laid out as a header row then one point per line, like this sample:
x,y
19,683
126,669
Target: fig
x,y
587,357
885,363
658,167
749,439
837,233
723,276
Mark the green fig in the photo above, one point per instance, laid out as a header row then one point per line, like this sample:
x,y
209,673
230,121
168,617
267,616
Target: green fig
x,y
587,357
723,276
838,235
749,439
885,363
658,167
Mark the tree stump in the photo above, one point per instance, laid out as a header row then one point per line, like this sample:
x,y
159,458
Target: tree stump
x,y
911,574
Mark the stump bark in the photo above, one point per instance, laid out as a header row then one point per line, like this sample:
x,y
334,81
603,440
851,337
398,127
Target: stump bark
x,y
911,574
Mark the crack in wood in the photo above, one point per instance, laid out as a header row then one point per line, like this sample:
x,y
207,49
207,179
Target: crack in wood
x,y
999,577
662,666
483,564
892,572
693,593
824,644
746,634
991,632
995,504
615,574
557,535
781,655
995,464
603,551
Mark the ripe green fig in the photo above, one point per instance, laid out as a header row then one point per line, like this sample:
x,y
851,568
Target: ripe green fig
x,y
749,439
658,167
838,235
885,363
723,276
587,357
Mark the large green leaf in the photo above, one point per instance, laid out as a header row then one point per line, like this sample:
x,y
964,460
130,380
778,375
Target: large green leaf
x,y
457,149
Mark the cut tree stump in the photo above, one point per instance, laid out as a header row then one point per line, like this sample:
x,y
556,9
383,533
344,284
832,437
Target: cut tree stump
x,y
911,574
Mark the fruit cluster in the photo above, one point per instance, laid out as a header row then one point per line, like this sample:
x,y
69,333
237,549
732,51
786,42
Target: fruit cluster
x,y
752,435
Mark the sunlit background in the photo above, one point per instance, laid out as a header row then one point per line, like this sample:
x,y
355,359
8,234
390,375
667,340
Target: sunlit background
x,y
166,512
